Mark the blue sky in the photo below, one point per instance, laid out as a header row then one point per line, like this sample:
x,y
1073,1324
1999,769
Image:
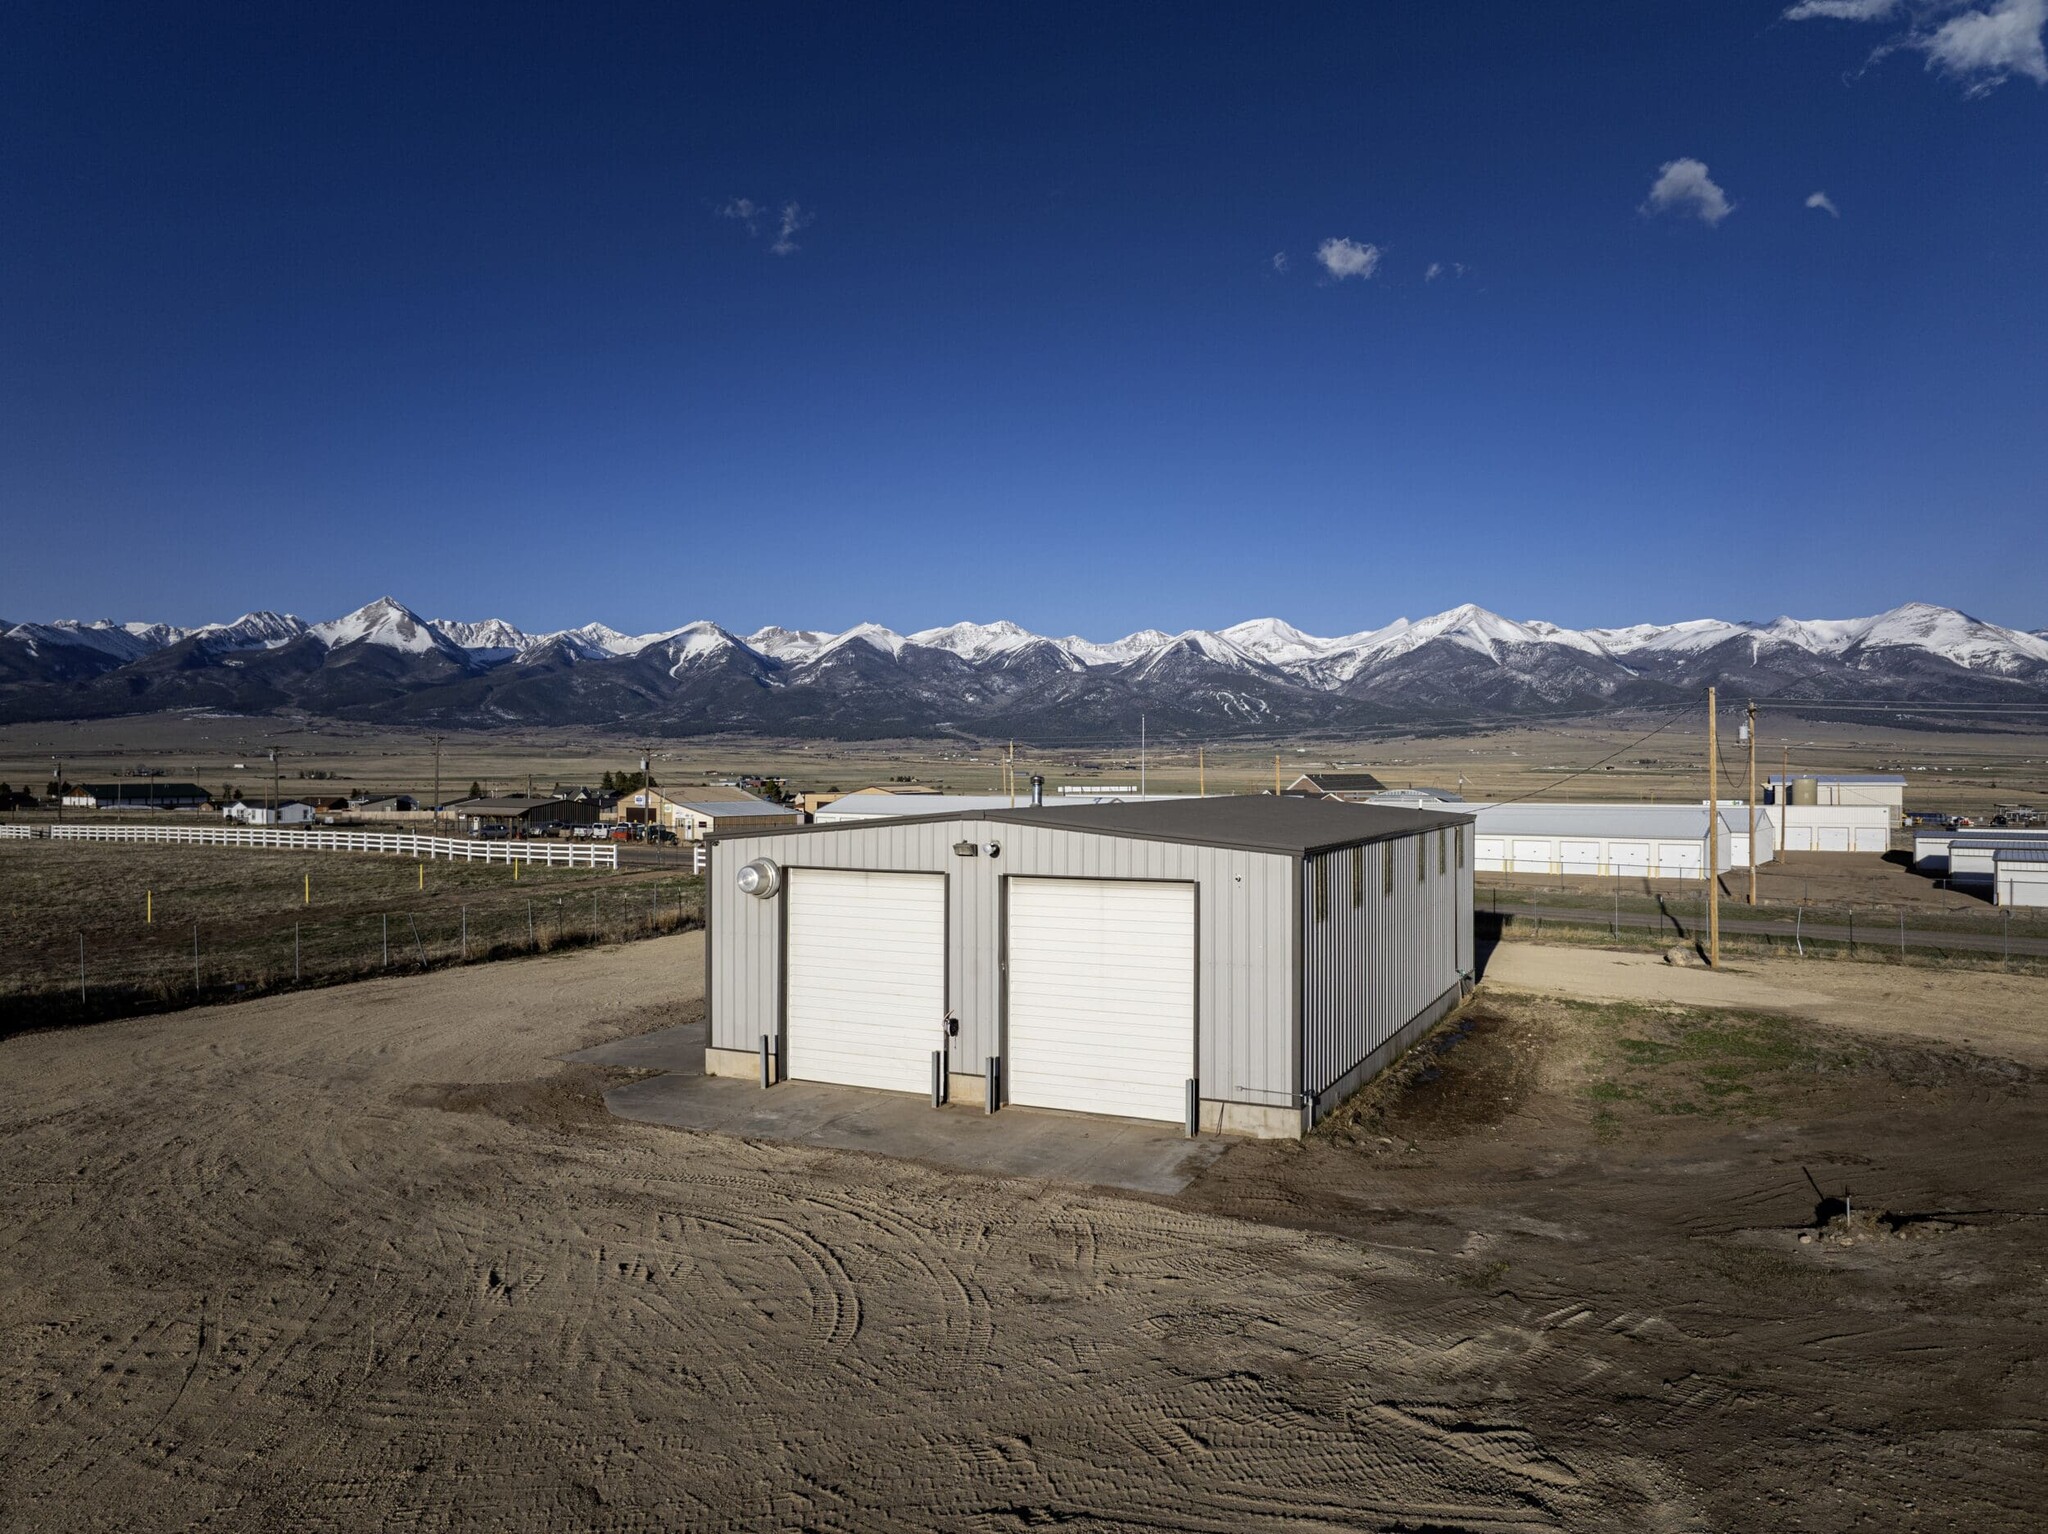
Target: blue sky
x,y
812,314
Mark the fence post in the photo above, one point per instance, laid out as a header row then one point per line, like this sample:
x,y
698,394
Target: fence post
x,y
1798,924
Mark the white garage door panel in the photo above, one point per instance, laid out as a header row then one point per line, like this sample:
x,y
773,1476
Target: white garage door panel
x,y
1579,857
1679,860
867,977
1834,838
1101,996
1629,857
1870,839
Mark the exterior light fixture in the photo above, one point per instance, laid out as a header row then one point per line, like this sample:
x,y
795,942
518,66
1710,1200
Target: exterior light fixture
x,y
965,849
760,878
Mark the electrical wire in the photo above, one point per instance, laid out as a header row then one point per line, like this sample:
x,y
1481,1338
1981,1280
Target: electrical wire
x,y
1677,712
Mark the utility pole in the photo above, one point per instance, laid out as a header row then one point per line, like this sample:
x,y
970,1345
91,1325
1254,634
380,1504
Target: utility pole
x,y
437,782
1751,732
1141,756
276,792
1713,837
60,788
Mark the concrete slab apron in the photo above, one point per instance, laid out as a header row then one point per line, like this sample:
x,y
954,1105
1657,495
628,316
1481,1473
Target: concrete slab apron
x,y
1016,1142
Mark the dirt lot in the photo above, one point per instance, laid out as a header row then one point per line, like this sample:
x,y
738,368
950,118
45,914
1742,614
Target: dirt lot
x,y
367,1258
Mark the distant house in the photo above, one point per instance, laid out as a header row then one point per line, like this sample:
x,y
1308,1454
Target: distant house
x,y
248,812
523,812
136,794
811,803
388,804
700,810
1351,787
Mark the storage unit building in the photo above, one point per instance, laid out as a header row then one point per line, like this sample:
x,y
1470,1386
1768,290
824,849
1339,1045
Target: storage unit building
x,y
1254,959
1973,857
1644,841
1931,848
2020,876
1831,827
1885,790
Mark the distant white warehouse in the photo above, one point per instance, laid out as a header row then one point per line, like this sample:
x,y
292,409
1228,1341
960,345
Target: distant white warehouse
x,y
1652,841
1237,964
1886,790
2020,876
1933,850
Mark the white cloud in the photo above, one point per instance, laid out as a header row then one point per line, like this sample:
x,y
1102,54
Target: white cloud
x,y
1982,48
1683,186
1438,269
1347,258
746,210
1977,44
1844,10
1279,260
1824,203
793,219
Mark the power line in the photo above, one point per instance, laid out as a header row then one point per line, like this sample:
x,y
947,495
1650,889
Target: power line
x,y
1677,712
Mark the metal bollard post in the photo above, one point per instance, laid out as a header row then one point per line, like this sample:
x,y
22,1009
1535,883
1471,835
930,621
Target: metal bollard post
x,y
764,1060
938,1078
991,1084
1194,1107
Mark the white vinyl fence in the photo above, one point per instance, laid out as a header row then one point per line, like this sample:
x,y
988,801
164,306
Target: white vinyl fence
x,y
402,843
16,833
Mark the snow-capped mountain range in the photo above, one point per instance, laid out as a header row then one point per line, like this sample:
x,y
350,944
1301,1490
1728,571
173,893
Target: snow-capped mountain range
x,y
385,662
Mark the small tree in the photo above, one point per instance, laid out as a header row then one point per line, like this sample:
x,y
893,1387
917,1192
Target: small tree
x,y
476,789
607,785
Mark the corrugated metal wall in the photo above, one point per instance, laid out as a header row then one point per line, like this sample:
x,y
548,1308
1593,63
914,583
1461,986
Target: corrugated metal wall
x,y
1379,943
1245,913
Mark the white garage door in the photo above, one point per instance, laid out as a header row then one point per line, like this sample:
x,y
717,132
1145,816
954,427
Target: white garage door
x,y
1799,838
1488,853
1102,996
1834,838
1680,860
1579,857
1871,839
1531,857
867,977
1629,857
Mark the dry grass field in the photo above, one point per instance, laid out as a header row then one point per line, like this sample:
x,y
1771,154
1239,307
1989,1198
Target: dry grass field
x,y
92,930
1960,772
368,1258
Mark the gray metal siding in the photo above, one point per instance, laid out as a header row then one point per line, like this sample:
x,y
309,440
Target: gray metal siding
x,y
1244,941
1374,958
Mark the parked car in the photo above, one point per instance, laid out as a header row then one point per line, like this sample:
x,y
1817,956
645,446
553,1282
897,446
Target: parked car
x,y
492,832
622,833
662,834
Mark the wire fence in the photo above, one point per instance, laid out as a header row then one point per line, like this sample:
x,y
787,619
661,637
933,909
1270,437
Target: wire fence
x,y
119,969
1865,931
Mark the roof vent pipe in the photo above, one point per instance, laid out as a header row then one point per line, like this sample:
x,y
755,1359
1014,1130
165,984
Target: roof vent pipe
x,y
1037,791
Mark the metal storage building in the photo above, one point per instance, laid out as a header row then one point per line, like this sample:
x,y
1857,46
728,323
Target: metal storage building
x,y
1645,841
1236,964
1973,856
1931,848
2020,876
